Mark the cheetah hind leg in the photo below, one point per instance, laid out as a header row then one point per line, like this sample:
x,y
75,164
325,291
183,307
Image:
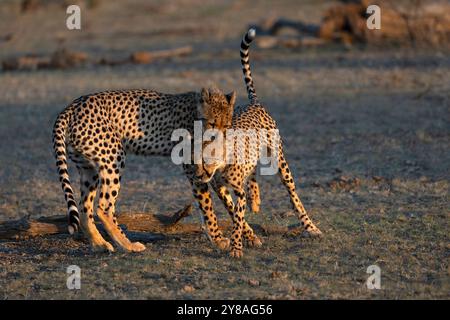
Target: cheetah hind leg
x,y
253,193
209,218
89,184
309,229
110,185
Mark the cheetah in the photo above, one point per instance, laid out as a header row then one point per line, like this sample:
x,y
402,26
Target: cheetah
x,y
98,130
238,175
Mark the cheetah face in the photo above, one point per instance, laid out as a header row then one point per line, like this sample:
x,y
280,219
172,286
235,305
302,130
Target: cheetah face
x,y
213,157
216,112
216,109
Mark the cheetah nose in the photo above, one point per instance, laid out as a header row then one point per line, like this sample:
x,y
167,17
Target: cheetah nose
x,y
204,178
199,172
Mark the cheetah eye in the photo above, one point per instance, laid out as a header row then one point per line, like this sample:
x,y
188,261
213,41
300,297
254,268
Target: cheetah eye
x,y
212,124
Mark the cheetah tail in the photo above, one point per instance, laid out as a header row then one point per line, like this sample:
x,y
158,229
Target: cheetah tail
x,y
59,147
245,44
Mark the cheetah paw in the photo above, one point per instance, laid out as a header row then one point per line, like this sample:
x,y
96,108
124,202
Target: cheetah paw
x,y
236,253
131,247
223,243
312,233
255,207
104,246
255,242
137,247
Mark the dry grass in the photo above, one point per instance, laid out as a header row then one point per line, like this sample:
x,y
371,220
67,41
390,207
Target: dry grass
x,y
376,117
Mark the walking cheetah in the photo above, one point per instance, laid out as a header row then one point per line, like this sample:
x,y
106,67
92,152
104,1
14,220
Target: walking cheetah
x,y
236,175
99,129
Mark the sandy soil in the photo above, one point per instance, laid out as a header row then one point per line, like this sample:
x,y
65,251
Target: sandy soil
x,y
377,117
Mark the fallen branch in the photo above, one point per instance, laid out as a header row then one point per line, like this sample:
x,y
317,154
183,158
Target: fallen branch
x,y
60,59
144,57
415,21
268,42
63,58
133,223
142,227
276,26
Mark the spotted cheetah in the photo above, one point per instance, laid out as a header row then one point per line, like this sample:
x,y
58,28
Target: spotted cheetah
x,y
98,130
256,119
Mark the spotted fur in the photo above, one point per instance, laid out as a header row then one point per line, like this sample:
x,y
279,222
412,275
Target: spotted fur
x,y
237,175
98,130
245,46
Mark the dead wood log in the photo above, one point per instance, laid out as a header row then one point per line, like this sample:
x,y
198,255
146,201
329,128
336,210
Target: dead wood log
x,y
29,5
29,228
408,22
63,58
268,42
27,62
143,57
413,22
142,227
274,27
60,59
137,225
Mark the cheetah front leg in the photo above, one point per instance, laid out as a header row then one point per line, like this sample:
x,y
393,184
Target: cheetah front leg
x,y
203,197
238,222
224,195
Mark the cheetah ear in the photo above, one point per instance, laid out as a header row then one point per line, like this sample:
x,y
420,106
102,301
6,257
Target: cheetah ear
x,y
231,98
205,95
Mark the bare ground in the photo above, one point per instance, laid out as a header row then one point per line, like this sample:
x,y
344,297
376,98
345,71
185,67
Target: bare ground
x,y
367,135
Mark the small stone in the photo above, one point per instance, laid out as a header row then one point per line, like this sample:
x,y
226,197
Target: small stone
x,y
278,275
188,289
253,282
377,178
316,184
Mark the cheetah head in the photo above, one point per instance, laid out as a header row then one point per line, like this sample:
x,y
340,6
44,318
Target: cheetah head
x,y
216,109
216,112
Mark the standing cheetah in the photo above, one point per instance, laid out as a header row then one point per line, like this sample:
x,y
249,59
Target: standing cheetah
x,y
99,129
253,118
